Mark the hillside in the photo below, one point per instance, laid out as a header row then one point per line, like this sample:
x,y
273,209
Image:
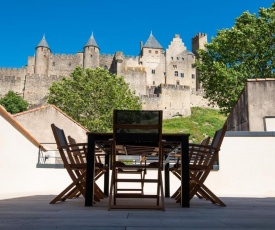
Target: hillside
x,y
202,122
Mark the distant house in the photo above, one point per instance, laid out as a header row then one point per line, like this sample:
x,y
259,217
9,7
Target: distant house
x,y
38,122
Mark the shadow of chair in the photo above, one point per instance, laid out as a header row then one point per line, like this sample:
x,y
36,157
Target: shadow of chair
x,y
202,159
140,134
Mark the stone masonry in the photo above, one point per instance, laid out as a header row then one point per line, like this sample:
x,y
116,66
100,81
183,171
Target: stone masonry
x,y
165,80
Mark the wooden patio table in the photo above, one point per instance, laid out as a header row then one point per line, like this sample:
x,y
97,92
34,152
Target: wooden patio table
x,y
103,140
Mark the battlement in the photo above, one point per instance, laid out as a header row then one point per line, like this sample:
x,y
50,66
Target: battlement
x,y
127,57
65,56
12,71
198,36
175,87
106,55
44,76
152,96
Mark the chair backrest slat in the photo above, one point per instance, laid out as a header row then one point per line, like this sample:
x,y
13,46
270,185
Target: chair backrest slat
x,y
139,126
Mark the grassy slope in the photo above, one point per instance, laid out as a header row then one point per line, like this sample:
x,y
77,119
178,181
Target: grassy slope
x,y
201,123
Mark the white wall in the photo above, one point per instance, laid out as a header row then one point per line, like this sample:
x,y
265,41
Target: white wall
x,y
247,167
18,173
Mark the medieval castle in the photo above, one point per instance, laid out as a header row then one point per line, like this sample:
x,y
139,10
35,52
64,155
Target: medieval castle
x,y
165,80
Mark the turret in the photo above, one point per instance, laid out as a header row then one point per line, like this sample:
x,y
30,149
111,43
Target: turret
x,y
152,58
91,54
42,55
198,42
119,56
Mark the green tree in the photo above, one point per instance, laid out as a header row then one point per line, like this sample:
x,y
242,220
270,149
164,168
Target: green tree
x,y
90,96
237,54
14,103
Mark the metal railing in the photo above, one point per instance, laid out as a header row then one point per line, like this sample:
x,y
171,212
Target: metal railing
x,y
49,158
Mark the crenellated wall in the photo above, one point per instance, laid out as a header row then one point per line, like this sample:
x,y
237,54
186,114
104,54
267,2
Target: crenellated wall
x,y
163,80
106,61
174,100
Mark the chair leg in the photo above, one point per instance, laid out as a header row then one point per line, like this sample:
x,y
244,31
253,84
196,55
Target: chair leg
x,y
67,190
111,191
211,196
176,193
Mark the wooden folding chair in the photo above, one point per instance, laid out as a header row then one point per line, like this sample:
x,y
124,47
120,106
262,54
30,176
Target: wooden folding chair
x,y
74,160
202,158
140,134
176,168
100,168
73,164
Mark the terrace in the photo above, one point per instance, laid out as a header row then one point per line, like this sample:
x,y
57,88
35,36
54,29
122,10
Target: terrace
x,y
34,212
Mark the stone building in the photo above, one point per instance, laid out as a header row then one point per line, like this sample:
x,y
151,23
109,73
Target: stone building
x,y
255,109
163,79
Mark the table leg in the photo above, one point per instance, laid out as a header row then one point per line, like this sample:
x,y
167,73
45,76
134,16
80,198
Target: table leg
x,y
167,180
185,201
90,172
107,175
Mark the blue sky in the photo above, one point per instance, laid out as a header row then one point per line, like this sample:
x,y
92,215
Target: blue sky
x,y
117,25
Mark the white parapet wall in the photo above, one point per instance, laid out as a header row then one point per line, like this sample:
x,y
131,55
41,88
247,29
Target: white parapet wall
x,y
246,166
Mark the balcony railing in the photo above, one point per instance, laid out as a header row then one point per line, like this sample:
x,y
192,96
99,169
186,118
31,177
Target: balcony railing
x,y
49,158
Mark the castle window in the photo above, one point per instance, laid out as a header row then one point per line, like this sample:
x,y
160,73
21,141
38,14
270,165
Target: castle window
x,y
53,63
193,76
172,58
178,82
183,59
91,56
153,71
176,73
150,51
177,58
153,82
156,52
181,74
174,66
105,67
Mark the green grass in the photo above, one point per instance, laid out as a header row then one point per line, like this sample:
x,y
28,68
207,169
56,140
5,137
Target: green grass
x,y
202,123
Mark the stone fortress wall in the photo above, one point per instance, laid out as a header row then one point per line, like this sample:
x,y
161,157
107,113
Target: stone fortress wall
x,y
164,80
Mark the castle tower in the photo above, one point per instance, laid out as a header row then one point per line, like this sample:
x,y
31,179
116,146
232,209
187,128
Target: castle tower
x,y
42,56
152,58
91,54
198,42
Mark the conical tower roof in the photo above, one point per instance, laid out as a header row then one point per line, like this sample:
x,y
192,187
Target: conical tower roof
x,y
43,43
152,43
91,42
